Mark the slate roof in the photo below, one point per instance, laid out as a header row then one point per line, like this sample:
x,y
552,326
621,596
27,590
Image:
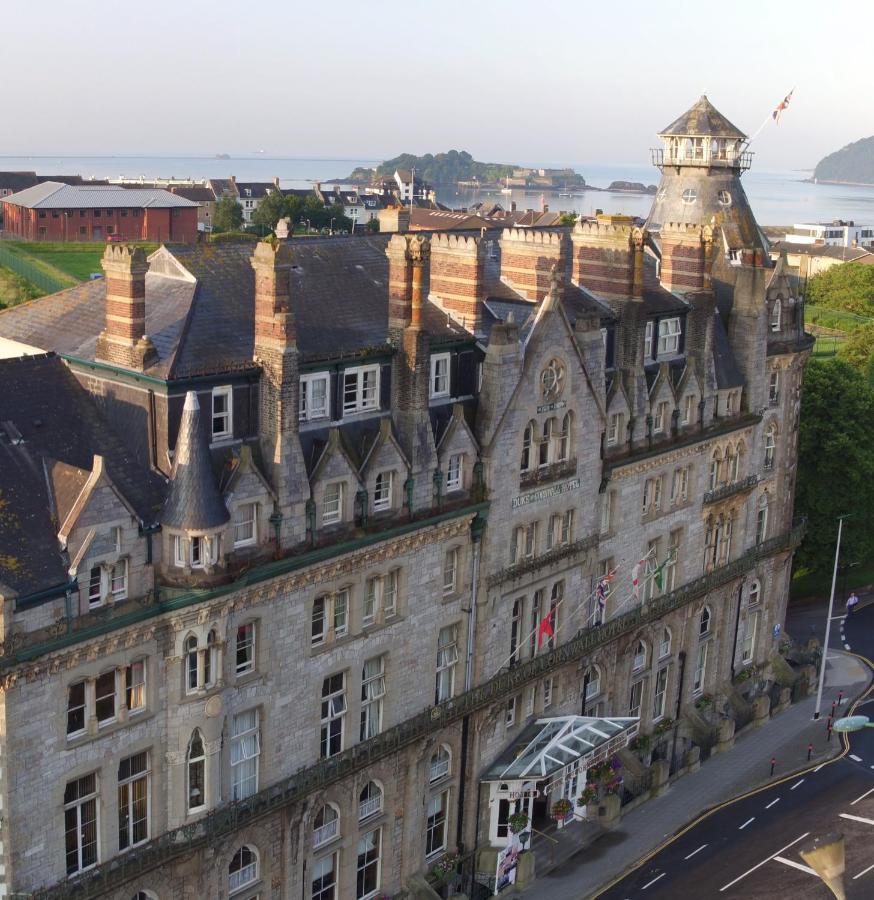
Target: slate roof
x,y
727,373
845,254
705,120
17,181
60,430
198,193
257,189
223,186
54,195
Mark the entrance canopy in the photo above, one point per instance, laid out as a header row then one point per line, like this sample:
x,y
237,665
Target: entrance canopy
x,y
548,745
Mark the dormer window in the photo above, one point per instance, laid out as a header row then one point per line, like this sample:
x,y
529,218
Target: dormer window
x,y
776,315
196,552
669,336
313,397
360,389
439,375
222,414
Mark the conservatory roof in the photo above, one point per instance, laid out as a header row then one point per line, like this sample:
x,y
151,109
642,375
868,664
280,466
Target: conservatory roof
x,y
547,745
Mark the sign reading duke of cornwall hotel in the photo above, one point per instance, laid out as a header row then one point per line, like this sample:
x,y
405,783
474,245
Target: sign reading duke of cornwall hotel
x,y
546,493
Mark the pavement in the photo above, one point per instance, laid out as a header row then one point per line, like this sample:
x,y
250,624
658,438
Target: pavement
x,y
725,777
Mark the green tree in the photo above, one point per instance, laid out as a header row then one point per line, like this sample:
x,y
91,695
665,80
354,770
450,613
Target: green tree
x,y
373,226
849,286
270,210
835,463
858,349
228,215
567,219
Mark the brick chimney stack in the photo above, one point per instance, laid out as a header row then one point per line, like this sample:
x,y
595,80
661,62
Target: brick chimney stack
x,y
400,283
276,352
457,283
123,341
527,258
608,257
685,252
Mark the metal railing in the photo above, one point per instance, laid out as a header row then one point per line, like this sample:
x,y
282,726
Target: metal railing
x,y
729,160
729,490
368,808
324,833
27,270
219,823
535,563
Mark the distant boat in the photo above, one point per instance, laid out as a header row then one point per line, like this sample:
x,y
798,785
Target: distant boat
x,y
222,156
506,188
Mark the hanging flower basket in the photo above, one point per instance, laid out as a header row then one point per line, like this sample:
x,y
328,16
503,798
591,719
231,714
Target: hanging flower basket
x,y
589,795
518,822
561,810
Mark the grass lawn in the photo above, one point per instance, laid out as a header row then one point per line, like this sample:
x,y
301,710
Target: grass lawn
x,y
71,262
14,289
818,584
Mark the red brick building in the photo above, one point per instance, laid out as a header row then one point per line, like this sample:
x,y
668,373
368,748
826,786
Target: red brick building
x,y
59,212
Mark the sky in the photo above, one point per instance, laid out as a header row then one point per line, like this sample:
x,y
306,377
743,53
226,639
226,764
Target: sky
x,y
541,82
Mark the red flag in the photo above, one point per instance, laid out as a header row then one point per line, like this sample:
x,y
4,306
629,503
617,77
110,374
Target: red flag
x,y
545,628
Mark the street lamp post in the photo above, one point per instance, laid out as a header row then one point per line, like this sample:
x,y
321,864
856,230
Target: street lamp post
x,y
828,622
331,226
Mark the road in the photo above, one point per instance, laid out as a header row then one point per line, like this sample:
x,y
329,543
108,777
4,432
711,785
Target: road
x,y
749,847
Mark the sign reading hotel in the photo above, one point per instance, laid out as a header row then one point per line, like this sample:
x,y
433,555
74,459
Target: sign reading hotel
x,y
546,493
552,407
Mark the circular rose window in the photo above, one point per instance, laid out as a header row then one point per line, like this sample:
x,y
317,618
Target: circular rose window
x,y
552,380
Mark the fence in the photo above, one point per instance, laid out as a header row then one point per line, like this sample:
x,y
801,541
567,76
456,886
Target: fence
x,y
635,785
27,270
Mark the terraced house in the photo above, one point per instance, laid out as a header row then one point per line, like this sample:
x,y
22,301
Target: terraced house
x,y
301,544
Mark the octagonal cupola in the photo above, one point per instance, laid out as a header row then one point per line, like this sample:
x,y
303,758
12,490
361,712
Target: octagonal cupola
x,y
702,136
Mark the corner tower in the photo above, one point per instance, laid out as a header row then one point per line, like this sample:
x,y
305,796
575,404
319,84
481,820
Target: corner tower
x,y
701,159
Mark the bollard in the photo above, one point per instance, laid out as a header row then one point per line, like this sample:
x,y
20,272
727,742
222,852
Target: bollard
x,y
809,751
773,764
840,697
829,731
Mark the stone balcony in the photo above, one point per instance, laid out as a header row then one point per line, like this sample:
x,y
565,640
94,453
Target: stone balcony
x,y
729,490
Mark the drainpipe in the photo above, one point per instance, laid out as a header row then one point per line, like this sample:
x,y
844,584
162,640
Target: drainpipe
x,y
740,593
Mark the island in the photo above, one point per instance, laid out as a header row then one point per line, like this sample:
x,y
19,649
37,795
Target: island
x,y
853,164
634,187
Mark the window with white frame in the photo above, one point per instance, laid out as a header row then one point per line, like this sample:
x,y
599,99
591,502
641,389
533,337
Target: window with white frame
x,y
748,648
313,397
607,511
528,438
563,446
195,764
95,587
367,869
660,419
179,550
201,663
638,662
390,589
118,580
332,504
450,571
565,528
547,691
245,750
203,551
360,389
455,473
652,495
382,491
544,451
614,429
700,668
660,694
76,709
635,699
774,389
441,761
372,693
447,659
324,878
435,827
732,401
246,524
704,621
369,801
592,682
510,713
242,869
776,315
755,594
762,519
647,340
669,336
770,446
326,825
688,410
222,412
665,643
81,823
105,689
333,713
245,649
340,623
135,685
680,486
439,375
516,629
133,800
526,541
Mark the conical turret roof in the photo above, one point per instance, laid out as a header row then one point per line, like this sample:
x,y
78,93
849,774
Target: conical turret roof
x,y
194,502
703,120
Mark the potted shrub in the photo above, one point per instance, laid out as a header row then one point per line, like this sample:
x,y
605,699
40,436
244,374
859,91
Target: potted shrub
x,y
705,701
444,867
641,743
589,795
561,810
664,726
518,822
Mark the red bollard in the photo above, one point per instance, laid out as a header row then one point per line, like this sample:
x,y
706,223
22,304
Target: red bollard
x,y
773,764
809,751
829,729
840,697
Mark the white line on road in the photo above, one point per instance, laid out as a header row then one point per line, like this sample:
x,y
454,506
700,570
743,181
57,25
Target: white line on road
x,y
847,647
857,818
777,800
653,881
759,865
855,758
797,783
795,865
818,768
741,828
863,872
695,851
863,796
838,617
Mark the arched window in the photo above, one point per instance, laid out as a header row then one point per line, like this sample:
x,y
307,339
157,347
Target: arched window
x,y
762,519
564,438
770,445
369,801
545,452
191,663
755,594
326,825
441,761
776,315
710,544
243,869
592,682
528,436
196,772
665,643
704,621
515,630
715,466
144,895
730,465
639,661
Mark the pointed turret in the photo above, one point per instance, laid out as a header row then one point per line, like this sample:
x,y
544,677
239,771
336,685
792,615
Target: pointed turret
x,y
194,503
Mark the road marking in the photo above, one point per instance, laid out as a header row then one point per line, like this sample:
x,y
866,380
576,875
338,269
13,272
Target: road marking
x,y
772,803
759,865
818,768
863,795
797,783
847,647
795,865
653,881
838,617
741,828
863,872
857,818
695,851
855,758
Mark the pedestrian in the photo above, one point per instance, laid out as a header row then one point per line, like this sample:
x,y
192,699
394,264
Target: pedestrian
x,y
852,600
